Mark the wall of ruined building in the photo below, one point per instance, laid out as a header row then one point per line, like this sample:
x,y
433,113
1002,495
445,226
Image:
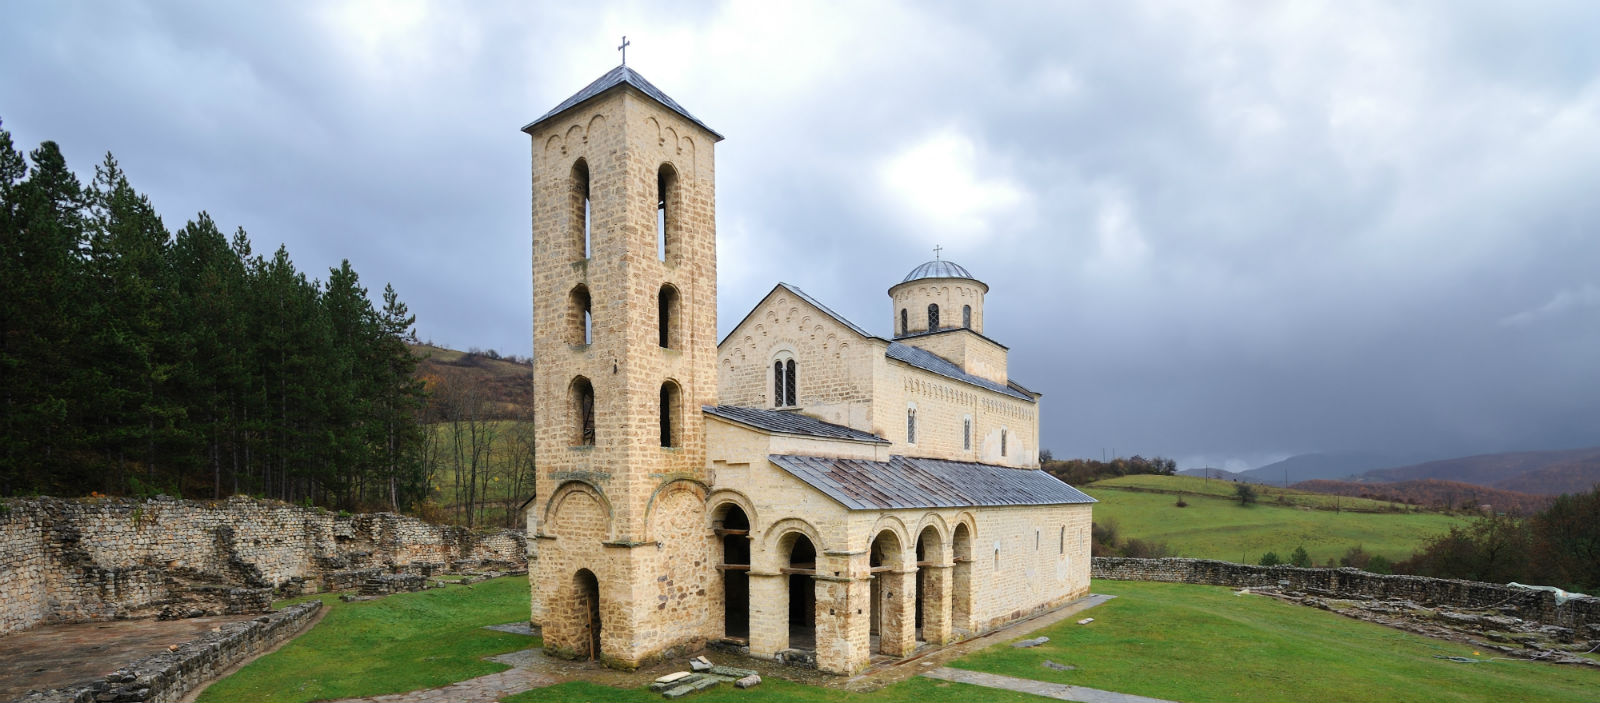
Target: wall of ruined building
x,y
82,560
169,676
1528,604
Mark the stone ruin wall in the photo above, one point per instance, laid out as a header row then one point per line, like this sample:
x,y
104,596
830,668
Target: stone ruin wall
x,y
1528,604
80,560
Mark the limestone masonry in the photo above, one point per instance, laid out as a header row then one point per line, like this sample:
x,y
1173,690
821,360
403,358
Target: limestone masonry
x,y
67,561
803,490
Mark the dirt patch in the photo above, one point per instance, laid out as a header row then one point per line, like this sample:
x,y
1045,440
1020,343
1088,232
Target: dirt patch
x,y
56,656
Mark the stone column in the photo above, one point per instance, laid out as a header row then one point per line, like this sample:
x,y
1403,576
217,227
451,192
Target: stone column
x,y
936,603
897,632
769,613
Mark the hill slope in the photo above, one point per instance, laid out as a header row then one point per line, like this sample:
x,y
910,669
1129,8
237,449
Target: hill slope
x,y
1434,493
1306,467
503,387
1214,527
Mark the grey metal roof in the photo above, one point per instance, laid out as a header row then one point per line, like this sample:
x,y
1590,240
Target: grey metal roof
x,y
910,482
938,268
613,78
790,423
929,361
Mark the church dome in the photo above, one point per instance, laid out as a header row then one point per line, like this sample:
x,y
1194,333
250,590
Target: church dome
x,y
937,268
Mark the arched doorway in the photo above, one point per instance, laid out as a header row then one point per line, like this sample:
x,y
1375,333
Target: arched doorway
x,y
587,604
733,535
886,621
802,566
961,579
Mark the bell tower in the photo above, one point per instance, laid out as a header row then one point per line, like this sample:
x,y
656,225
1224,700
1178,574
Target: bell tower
x,y
624,348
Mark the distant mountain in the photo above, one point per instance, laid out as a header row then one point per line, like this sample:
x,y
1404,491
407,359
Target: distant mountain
x,y
1433,493
1223,474
1333,465
1543,472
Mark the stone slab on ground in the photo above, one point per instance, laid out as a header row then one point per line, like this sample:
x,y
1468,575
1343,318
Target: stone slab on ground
x,y
750,681
1031,642
515,628
1061,692
732,672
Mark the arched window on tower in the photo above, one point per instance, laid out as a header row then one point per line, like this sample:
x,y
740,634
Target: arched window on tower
x,y
905,325
667,203
671,424
911,425
966,434
580,397
667,324
966,316
579,324
933,317
1002,442
581,214
784,382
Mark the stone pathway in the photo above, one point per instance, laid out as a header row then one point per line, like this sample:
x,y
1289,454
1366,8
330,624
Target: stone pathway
x,y
1057,691
484,689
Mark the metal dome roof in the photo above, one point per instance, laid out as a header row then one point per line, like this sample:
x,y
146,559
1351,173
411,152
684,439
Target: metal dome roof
x,y
938,268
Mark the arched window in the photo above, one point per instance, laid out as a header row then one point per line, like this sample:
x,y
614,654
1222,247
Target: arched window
x,y
784,382
667,213
579,324
966,316
1002,442
581,401
905,325
670,423
966,434
911,425
1063,547
933,317
667,324
580,216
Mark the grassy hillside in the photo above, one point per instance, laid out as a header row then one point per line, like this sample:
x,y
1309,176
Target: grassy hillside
x,y
1217,527
1546,472
1191,485
1436,494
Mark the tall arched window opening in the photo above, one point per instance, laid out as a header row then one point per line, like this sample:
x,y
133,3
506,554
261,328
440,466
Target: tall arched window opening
x,y
933,317
785,384
667,202
733,531
966,434
905,325
801,572
581,401
581,211
670,421
667,324
1002,442
579,324
966,316
911,425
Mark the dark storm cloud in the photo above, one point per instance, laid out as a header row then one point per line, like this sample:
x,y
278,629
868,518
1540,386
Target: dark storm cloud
x,y
1215,232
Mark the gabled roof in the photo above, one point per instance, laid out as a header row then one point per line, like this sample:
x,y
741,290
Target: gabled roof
x,y
910,482
813,302
931,362
619,76
790,423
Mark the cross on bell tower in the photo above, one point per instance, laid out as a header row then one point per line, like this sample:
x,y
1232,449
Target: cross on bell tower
x,y
623,47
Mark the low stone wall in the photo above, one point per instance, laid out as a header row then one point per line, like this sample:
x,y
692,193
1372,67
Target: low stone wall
x,y
82,560
169,676
1528,604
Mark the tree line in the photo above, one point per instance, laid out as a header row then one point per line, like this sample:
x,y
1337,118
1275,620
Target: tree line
x,y
137,360
1558,546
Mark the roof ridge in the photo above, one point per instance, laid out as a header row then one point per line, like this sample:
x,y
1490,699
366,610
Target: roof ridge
x,y
612,78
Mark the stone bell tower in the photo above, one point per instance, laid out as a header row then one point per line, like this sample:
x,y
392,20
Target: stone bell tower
x,y
624,345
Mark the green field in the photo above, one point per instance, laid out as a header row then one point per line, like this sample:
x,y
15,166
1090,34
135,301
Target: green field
x,y
1205,643
1267,494
1172,641
1214,527
400,643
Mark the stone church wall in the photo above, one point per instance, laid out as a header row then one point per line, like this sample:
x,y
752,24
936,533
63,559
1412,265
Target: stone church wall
x,y
1528,604
834,365
81,560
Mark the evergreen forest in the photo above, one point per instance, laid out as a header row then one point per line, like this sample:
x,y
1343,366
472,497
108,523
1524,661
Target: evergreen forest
x,y
135,360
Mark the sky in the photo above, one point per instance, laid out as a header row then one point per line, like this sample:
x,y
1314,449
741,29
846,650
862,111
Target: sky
x,y
1224,233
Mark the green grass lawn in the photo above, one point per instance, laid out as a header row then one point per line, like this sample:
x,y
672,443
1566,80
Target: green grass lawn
x,y
1203,643
1275,495
399,643
1219,528
917,689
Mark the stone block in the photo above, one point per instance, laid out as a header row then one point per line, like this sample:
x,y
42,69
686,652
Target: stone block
x,y
750,681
